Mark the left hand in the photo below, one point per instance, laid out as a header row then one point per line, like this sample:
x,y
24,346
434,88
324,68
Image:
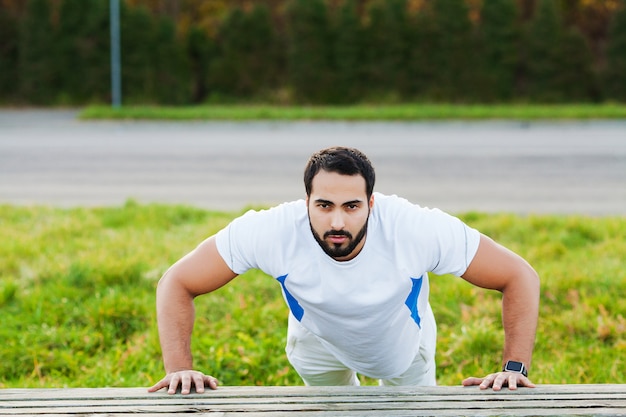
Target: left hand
x,y
499,380
185,379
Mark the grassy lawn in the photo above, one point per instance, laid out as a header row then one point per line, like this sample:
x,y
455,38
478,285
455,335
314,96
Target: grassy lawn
x,y
400,112
77,300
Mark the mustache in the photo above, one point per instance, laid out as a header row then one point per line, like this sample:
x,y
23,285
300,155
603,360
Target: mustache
x,y
338,233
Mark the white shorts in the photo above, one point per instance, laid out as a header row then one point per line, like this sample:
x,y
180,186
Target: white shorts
x,y
317,366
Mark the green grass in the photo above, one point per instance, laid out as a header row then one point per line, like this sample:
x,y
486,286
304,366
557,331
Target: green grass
x,y
77,300
400,112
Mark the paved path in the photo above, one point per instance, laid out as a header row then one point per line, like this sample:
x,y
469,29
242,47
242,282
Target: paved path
x,y
50,157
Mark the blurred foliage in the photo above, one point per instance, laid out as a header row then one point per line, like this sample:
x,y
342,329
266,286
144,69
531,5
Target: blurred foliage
x,y
308,55
616,56
35,64
56,52
499,35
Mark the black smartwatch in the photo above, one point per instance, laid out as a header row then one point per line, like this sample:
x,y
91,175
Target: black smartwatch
x,y
514,366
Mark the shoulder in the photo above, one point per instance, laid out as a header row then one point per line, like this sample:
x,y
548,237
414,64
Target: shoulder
x,y
286,210
445,243
405,217
394,208
276,220
262,238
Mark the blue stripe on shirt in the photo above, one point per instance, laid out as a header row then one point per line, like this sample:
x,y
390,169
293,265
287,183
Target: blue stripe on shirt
x,y
411,300
294,306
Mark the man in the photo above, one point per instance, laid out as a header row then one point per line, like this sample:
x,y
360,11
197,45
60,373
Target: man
x,y
353,266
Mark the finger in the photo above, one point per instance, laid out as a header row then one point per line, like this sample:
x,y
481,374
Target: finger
x,y
498,381
486,384
174,381
525,382
488,381
173,385
472,381
161,384
185,385
212,382
513,382
198,382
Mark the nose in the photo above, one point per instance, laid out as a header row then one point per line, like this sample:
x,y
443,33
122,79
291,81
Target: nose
x,y
337,222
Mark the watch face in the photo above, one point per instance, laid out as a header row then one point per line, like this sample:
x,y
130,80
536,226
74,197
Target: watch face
x,y
514,366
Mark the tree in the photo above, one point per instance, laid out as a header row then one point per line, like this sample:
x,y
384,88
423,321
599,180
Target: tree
x,y
421,65
170,65
95,48
231,45
200,49
137,46
8,54
347,54
37,80
576,79
82,51
499,40
542,41
266,58
453,54
615,84
308,54
247,61
387,47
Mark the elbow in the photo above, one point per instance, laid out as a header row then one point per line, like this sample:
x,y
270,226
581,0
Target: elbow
x,y
165,280
532,277
171,285
526,281
535,282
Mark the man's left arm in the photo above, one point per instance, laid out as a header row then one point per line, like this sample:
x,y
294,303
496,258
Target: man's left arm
x,y
496,267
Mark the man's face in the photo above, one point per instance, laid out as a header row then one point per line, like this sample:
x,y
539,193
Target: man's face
x,y
338,212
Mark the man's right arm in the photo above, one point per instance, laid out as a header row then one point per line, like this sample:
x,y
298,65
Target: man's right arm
x,y
201,271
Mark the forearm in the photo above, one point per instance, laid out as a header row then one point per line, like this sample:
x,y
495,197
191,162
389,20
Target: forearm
x,y
175,315
520,311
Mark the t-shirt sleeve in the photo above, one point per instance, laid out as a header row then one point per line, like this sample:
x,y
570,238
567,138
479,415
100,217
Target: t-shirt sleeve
x,y
455,244
237,247
258,239
440,243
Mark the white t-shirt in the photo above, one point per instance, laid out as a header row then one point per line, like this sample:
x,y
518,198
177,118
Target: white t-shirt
x,y
365,311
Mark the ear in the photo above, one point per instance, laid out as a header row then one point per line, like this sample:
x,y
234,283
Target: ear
x,y
371,202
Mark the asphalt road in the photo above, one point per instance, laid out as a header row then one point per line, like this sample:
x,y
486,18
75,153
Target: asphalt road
x,y
50,157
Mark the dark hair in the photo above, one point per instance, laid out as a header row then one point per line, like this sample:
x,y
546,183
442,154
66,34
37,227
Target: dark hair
x,y
344,161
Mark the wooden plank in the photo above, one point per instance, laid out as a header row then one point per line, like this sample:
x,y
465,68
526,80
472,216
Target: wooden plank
x,y
298,393
605,412
212,398
286,392
110,407
545,400
301,391
332,413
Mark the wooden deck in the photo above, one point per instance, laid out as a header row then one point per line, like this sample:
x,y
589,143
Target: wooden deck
x,y
545,400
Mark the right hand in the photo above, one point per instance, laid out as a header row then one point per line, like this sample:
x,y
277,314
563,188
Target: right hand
x,y
185,379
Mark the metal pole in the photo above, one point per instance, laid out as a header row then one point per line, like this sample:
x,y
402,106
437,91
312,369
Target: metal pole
x,y
116,76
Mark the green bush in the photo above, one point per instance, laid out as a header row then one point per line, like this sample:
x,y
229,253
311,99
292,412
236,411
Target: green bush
x,y
314,52
616,56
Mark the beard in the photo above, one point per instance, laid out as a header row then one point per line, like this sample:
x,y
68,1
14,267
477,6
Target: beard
x,y
335,250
